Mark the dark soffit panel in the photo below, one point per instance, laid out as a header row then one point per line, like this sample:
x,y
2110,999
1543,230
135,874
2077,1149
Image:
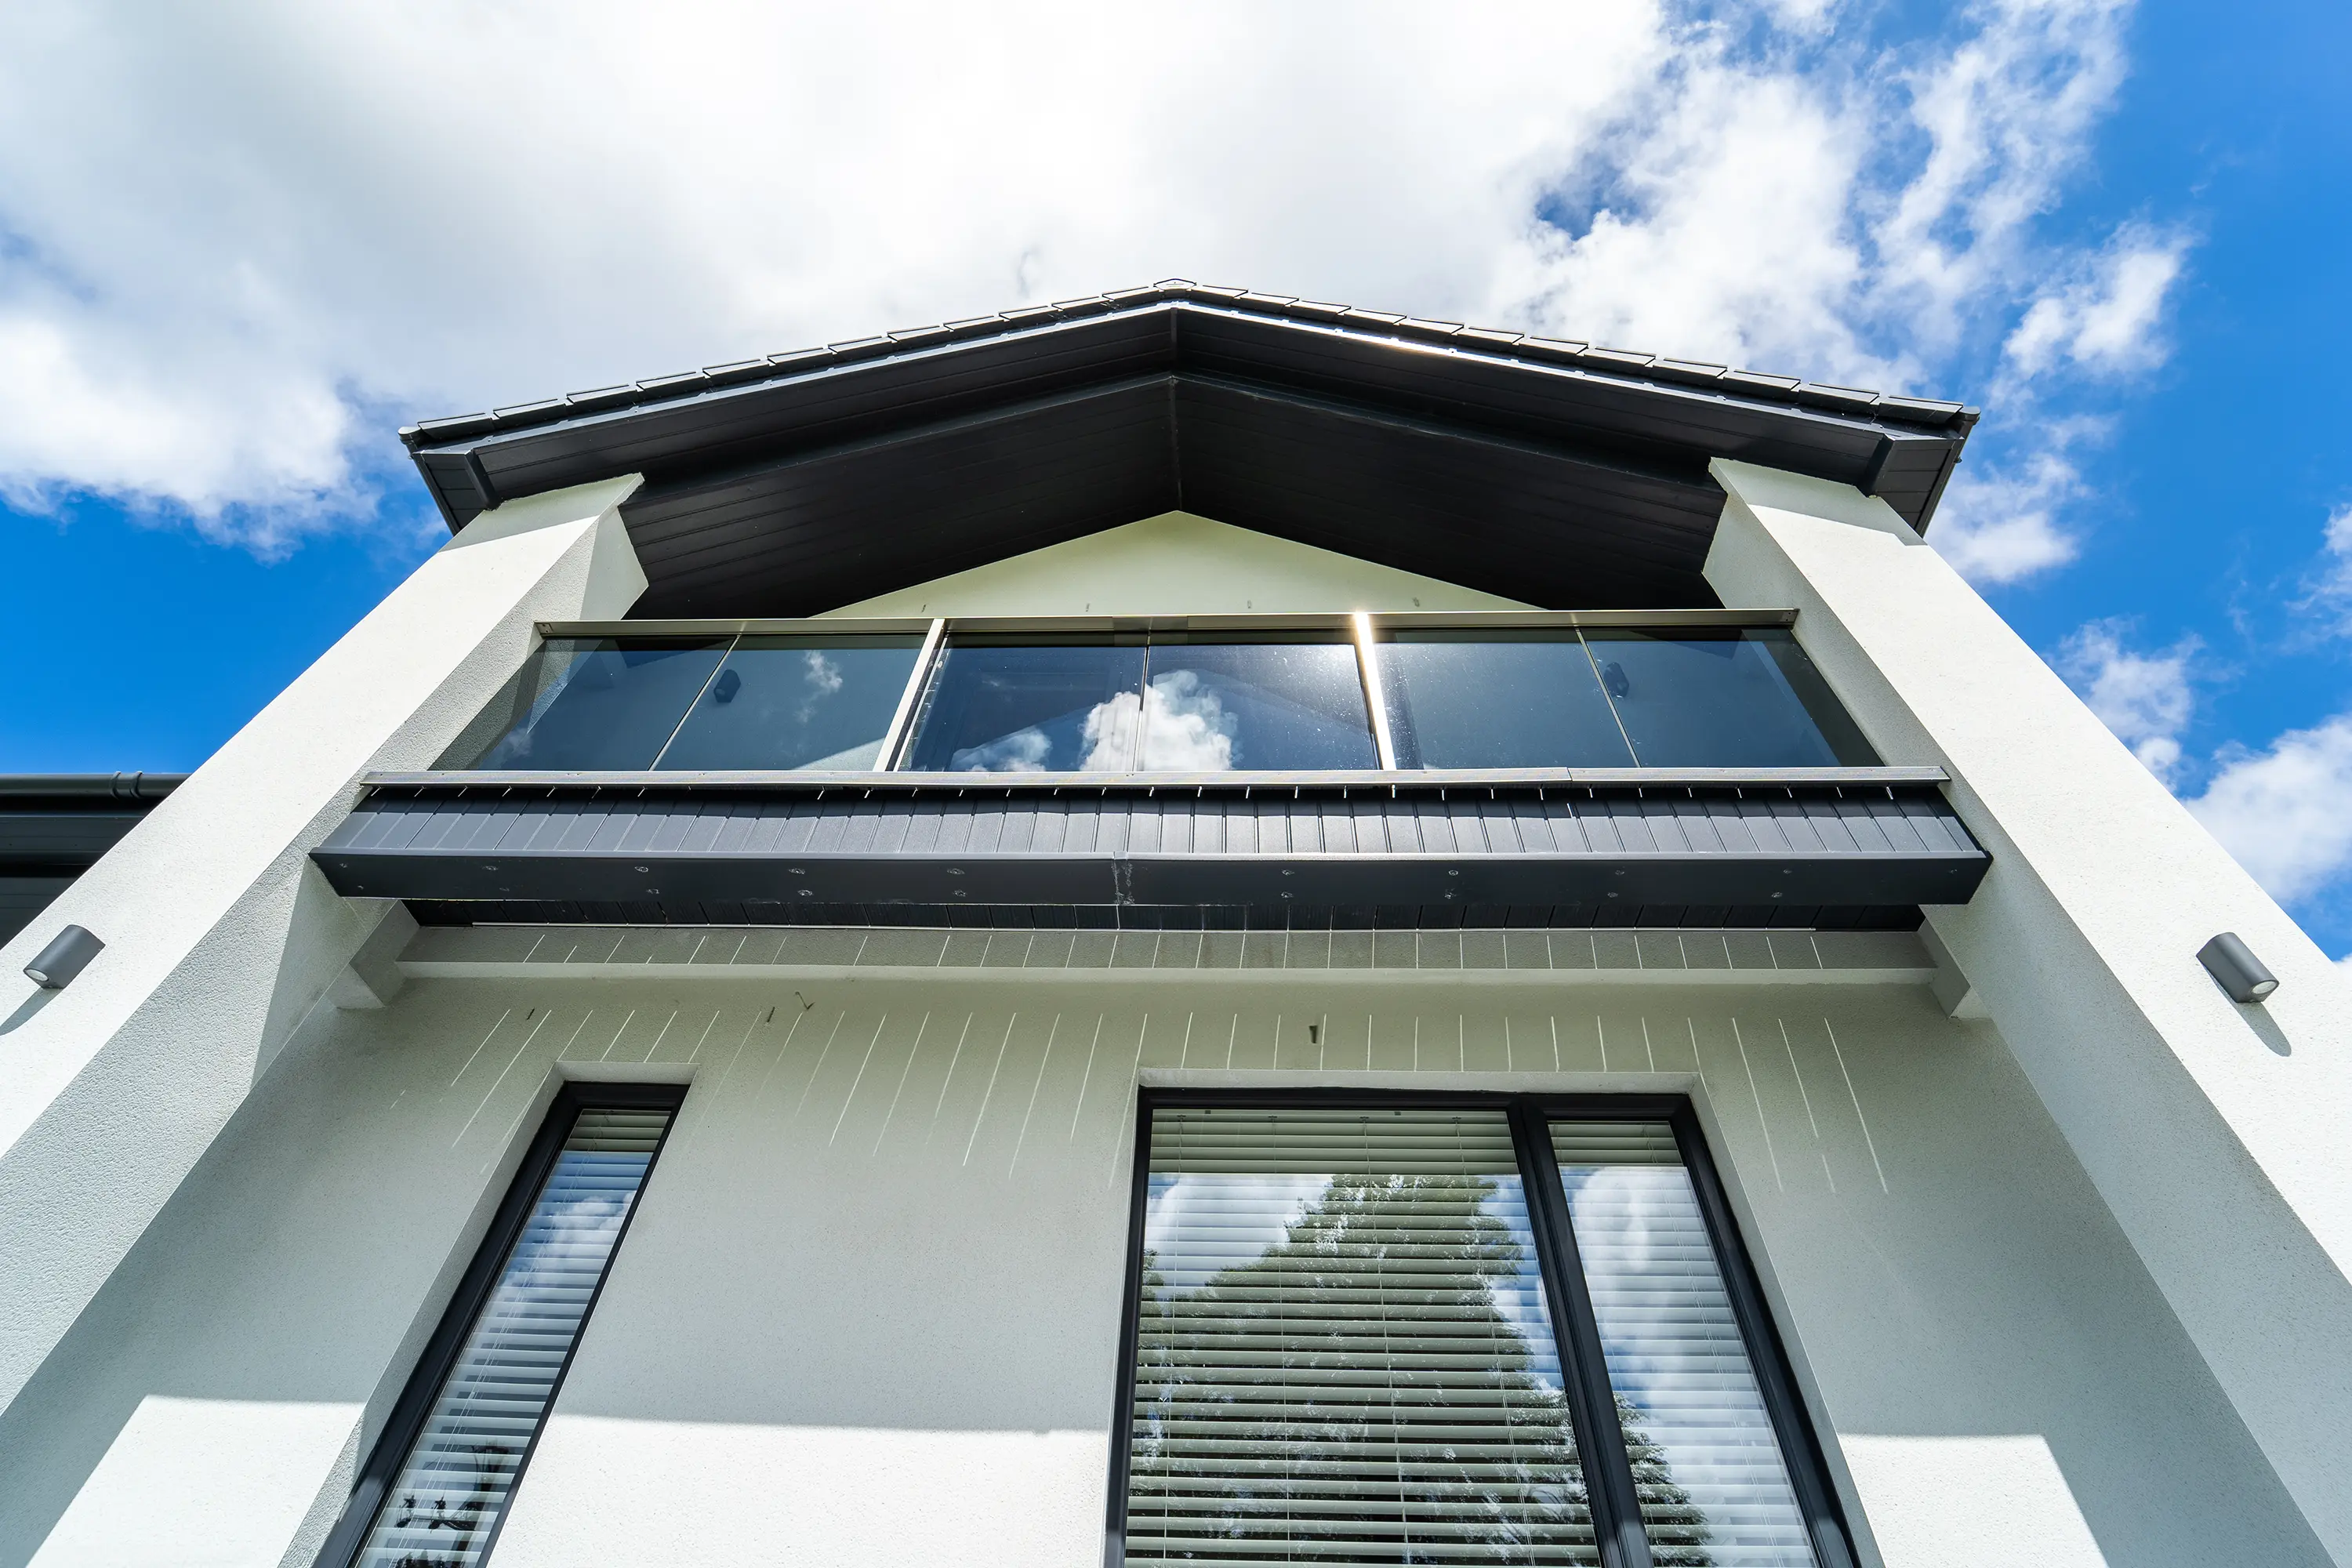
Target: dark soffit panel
x,y
841,524
1505,517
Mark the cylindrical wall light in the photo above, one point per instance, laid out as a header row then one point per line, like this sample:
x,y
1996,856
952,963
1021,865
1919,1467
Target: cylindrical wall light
x,y
64,958
2233,964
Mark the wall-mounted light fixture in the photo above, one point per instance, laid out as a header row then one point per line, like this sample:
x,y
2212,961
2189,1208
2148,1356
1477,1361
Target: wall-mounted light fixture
x,y
66,956
2231,962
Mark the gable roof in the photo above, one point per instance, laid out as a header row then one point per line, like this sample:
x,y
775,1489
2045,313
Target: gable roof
x,y
1550,472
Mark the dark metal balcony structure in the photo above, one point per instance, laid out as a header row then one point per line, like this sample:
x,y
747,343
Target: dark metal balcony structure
x,y
1554,473
1741,793
1824,848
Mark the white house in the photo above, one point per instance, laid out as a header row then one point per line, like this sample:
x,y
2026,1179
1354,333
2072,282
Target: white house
x,y
1187,926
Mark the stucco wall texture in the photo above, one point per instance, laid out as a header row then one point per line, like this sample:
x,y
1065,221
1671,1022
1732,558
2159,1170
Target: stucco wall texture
x,y
868,1311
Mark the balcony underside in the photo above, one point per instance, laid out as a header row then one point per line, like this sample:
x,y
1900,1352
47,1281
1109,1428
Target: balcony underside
x,y
1269,852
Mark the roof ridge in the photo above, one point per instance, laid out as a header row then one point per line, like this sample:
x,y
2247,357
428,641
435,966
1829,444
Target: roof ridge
x,y
1933,414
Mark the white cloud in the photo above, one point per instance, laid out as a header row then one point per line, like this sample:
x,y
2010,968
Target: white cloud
x,y
2001,527
2328,585
235,243
2145,697
2007,113
2107,322
2281,811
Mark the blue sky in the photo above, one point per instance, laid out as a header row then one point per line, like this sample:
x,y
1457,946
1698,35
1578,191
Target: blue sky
x,y
2118,230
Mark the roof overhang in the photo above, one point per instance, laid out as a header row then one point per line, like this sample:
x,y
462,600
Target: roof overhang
x,y
1554,473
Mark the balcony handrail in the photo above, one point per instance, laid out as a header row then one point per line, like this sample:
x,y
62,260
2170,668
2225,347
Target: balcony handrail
x,y
1342,621
1418,779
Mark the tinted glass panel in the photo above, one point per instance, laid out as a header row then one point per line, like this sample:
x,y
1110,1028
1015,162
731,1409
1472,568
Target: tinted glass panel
x,y
797,702
1708,1466
1731,697
1344,1353
1030,707
1497,700
1265,703
590,703
444,1504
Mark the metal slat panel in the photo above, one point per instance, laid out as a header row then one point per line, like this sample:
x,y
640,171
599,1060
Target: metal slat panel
x,y
1440,848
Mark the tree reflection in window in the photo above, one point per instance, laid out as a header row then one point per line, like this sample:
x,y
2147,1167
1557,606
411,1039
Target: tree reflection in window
x,y
1359,1367
453,1487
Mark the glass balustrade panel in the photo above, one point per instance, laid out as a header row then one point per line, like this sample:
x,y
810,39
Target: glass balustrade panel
x,y
1273,701
1727,697
1029,704
800,704
590,704
1497,697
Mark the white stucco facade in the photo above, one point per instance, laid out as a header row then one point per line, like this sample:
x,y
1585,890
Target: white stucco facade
x,y
2065,1278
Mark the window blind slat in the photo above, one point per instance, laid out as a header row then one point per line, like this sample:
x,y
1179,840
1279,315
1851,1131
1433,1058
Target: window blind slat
x,y
1344,1351
1714,1487
444,1502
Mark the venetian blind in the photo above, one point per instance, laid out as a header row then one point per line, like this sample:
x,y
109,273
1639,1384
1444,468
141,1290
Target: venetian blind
x,y
1344,1353
444,1506
1713,1487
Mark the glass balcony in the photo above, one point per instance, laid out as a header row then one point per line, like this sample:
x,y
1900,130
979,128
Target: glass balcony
x,y
1612,696
1166,703
1693,691
634,704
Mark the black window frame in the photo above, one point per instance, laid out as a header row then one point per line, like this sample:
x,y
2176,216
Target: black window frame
x,y
402,1427
1592,1409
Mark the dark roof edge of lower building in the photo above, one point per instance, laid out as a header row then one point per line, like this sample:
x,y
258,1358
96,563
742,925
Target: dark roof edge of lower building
x,y
85,788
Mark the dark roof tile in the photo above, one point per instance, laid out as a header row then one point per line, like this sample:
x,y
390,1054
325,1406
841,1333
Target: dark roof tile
x,y
453,427
740,370
1618,359
1756,385
1844,399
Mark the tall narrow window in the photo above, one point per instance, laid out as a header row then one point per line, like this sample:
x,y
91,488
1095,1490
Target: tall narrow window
x,y
1343,1348
1355,1341
436,1488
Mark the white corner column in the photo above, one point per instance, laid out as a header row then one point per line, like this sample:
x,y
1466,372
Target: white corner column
x,y
2220,1135
220,935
